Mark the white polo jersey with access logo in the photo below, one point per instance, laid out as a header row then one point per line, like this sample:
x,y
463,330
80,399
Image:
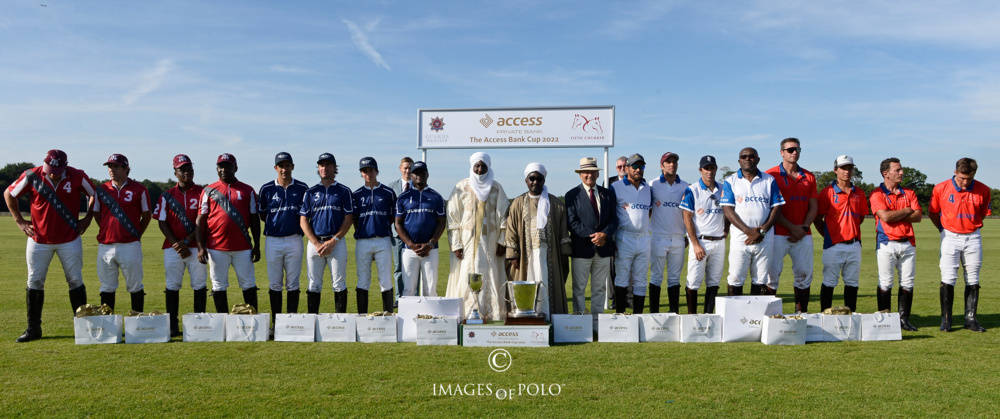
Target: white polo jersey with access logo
x,y
667,216
705,204
633,206
752,200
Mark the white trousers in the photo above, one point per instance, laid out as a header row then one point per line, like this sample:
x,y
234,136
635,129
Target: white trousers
x,y
842,260
378,250
801,253
173,270
39,256
711,265
755,257
894,257
597,270
538,271
284,261
666,249
219,262
961,250
420,267
124,257
336,260
632,261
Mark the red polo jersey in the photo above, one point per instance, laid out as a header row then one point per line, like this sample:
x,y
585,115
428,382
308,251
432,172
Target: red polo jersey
x,y
882,199
223,233
133,200
797,188
962,210
190,200
50,228
843,213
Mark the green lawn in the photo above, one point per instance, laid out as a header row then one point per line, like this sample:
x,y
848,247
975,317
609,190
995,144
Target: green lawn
x,y
927,373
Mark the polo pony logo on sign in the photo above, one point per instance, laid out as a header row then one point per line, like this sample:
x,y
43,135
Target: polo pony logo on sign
x,y
437,124
588,125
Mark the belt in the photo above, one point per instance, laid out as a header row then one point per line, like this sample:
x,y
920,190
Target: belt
x,y
851,241
902,240
324,238
374,237
712,238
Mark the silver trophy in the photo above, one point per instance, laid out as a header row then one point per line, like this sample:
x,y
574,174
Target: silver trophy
x,y
475,286
524,296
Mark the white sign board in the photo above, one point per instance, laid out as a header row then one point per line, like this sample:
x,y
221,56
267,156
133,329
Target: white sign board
x,y
517,127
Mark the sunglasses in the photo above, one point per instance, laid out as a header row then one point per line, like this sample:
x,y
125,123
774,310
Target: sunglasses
x,y
747,156
639,166
791,150
536,178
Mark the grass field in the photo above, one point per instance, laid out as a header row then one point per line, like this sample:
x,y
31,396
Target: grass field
x,y
928,373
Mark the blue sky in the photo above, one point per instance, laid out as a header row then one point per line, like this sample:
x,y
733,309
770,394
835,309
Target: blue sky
x,y
918,80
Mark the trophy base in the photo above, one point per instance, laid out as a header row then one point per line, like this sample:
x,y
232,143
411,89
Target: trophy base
x,y
473,321
525,321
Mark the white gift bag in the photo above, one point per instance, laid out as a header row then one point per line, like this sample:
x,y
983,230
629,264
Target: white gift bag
x,y
336,327
295,327
659,327
377,329
442,331
814,326
205,327
617,328
741,315
147,329
837,328
783,331
701,328
881,326
247,327
572,328
97,329
410,307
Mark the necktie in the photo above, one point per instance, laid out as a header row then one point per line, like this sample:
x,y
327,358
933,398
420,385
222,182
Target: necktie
x,y
406,186
593,203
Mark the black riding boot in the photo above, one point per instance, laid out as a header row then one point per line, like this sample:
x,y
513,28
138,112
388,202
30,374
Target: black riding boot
x,y
200,300
250,297
138,300
801,300
361,297
78,297
638,302
755,289
340,301
883,299
108,299
674,298
275,299
691,297
825,297
621,295
312,302
710,294
34,300
221,301
654,298
172,300
387,301
851,298
947,297
903,303
971,307
293,301
734,291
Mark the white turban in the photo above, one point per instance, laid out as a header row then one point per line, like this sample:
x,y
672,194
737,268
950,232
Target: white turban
x,y
543,201
481,184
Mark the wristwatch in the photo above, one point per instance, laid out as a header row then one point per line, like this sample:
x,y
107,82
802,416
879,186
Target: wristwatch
x,y
762,231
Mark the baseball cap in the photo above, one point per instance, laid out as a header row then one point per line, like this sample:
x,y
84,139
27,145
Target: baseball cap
x,y
368,162
706,161
118,159
844,160
326,157
588,164
282,156
226,158
635,158
55,162
668,155
418,166
181,160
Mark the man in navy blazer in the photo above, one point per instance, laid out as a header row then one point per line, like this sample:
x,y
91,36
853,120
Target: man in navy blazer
x,y
592,224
